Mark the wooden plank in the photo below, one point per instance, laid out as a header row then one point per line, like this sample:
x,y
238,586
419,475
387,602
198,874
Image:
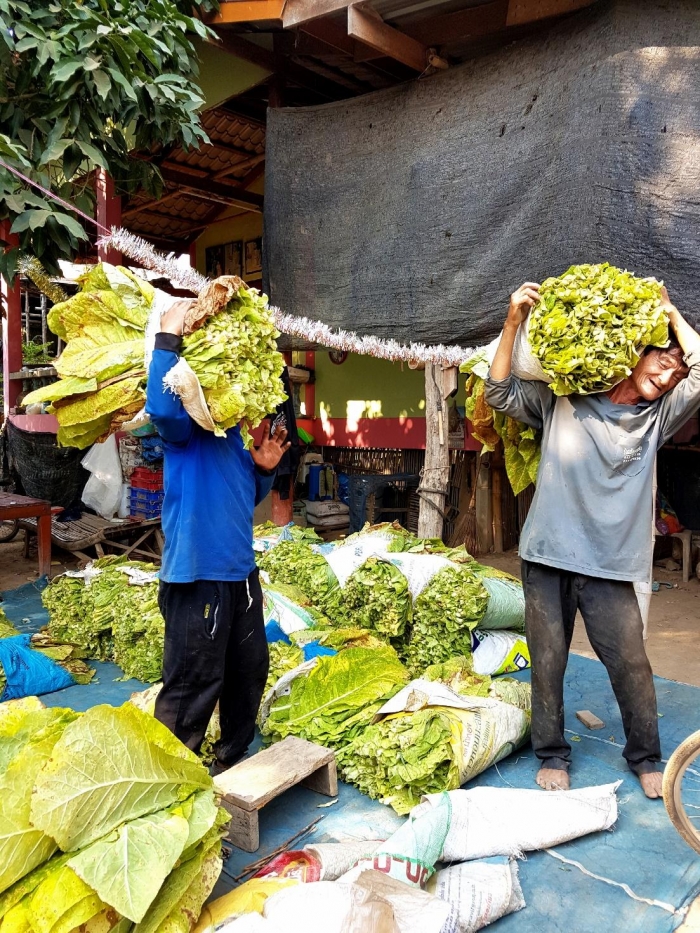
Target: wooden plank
x,y
529,11
244,829
324,780
460,25
246,11
436,473
374,32
228,193
301,11
259,779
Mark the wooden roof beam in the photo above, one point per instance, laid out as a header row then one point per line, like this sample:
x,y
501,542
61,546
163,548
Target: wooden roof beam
x,y
246,11
367,27
323,86
227,194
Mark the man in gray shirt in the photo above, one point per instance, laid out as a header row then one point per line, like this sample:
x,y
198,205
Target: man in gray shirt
x,y
588,536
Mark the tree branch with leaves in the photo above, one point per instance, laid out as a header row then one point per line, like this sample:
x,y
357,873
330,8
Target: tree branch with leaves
x,y
84,84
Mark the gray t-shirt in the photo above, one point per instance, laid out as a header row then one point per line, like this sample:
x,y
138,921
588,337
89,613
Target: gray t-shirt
x,y
592,510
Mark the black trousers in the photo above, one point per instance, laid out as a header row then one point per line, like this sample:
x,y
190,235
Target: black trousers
x,y
614,625
215,650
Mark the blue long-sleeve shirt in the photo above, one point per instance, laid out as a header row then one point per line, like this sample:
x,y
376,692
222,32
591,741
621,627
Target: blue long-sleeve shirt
x,y
211,487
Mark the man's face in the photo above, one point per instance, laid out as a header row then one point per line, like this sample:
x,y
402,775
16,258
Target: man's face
x,y
656,373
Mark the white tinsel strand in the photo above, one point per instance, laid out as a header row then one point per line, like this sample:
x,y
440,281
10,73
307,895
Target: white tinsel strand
x,y
145,255
316,332
142,253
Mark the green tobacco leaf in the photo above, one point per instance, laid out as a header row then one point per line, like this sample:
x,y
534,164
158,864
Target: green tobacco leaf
x,y
111,766
338,696
127,868
62,388
23,845
62,903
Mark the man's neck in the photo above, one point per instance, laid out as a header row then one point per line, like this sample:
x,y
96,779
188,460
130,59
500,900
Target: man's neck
x,y
624,394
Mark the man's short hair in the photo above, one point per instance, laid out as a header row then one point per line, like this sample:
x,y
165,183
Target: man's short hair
x,y
673,349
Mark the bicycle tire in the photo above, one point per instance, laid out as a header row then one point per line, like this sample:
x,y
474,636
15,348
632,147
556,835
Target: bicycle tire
x,y
679,762
8,531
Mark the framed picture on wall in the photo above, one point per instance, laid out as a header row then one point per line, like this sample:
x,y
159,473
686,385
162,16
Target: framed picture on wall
x,y
215,258
253,256
233,258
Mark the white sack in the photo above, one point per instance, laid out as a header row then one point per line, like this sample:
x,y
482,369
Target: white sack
x,y
488,821
479,893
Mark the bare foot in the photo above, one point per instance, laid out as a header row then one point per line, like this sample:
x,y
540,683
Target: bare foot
x,y
553,779
651,783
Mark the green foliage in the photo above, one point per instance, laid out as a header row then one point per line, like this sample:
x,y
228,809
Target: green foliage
x,y
295,564
81,85
376,597
590,324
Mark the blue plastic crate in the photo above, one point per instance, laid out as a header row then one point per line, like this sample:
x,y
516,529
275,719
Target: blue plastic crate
x,y
146,497
138,510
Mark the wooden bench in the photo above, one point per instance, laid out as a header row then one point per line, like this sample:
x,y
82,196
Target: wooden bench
x,y
247,787
92,531
24,508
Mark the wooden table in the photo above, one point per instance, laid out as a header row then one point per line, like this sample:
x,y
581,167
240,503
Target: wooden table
x,y
17,507
93,532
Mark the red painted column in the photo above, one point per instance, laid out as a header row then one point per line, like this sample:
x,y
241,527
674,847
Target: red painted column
x,y
109,213
11,331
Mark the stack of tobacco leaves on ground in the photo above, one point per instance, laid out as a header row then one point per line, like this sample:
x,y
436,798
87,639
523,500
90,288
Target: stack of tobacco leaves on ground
x,y
332,703
444,614
376,597
110,618
107,822
295,563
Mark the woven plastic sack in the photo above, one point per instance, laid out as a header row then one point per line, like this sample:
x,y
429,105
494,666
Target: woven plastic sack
x,y
524,363
506,606
487,821
479,893
499,652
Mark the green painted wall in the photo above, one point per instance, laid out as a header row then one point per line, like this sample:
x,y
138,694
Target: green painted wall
x,y
222,75
363,387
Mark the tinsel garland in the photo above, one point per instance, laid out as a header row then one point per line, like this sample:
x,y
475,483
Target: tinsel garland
x,y
33,269
142,253
146,256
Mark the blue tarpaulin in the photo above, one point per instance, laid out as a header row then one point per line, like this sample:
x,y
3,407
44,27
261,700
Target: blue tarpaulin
x,y
642,852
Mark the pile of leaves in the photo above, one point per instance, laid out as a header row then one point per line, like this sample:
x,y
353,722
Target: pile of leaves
x,y
106,821
376,597
295,563
444,614
405,756
68,656
590,325
338,698
109,618
233,353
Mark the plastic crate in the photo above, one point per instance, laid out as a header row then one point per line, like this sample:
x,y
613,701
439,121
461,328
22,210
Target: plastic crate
x,y
147,497
142,478
145,512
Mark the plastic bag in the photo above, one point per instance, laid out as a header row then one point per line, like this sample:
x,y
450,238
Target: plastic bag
x,y
103,491
28,672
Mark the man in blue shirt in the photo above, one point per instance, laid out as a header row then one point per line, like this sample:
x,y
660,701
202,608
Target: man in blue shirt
x,y
210,595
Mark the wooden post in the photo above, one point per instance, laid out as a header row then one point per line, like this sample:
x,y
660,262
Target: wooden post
x,y
484,525
109,213
11,331
436,472
497,507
